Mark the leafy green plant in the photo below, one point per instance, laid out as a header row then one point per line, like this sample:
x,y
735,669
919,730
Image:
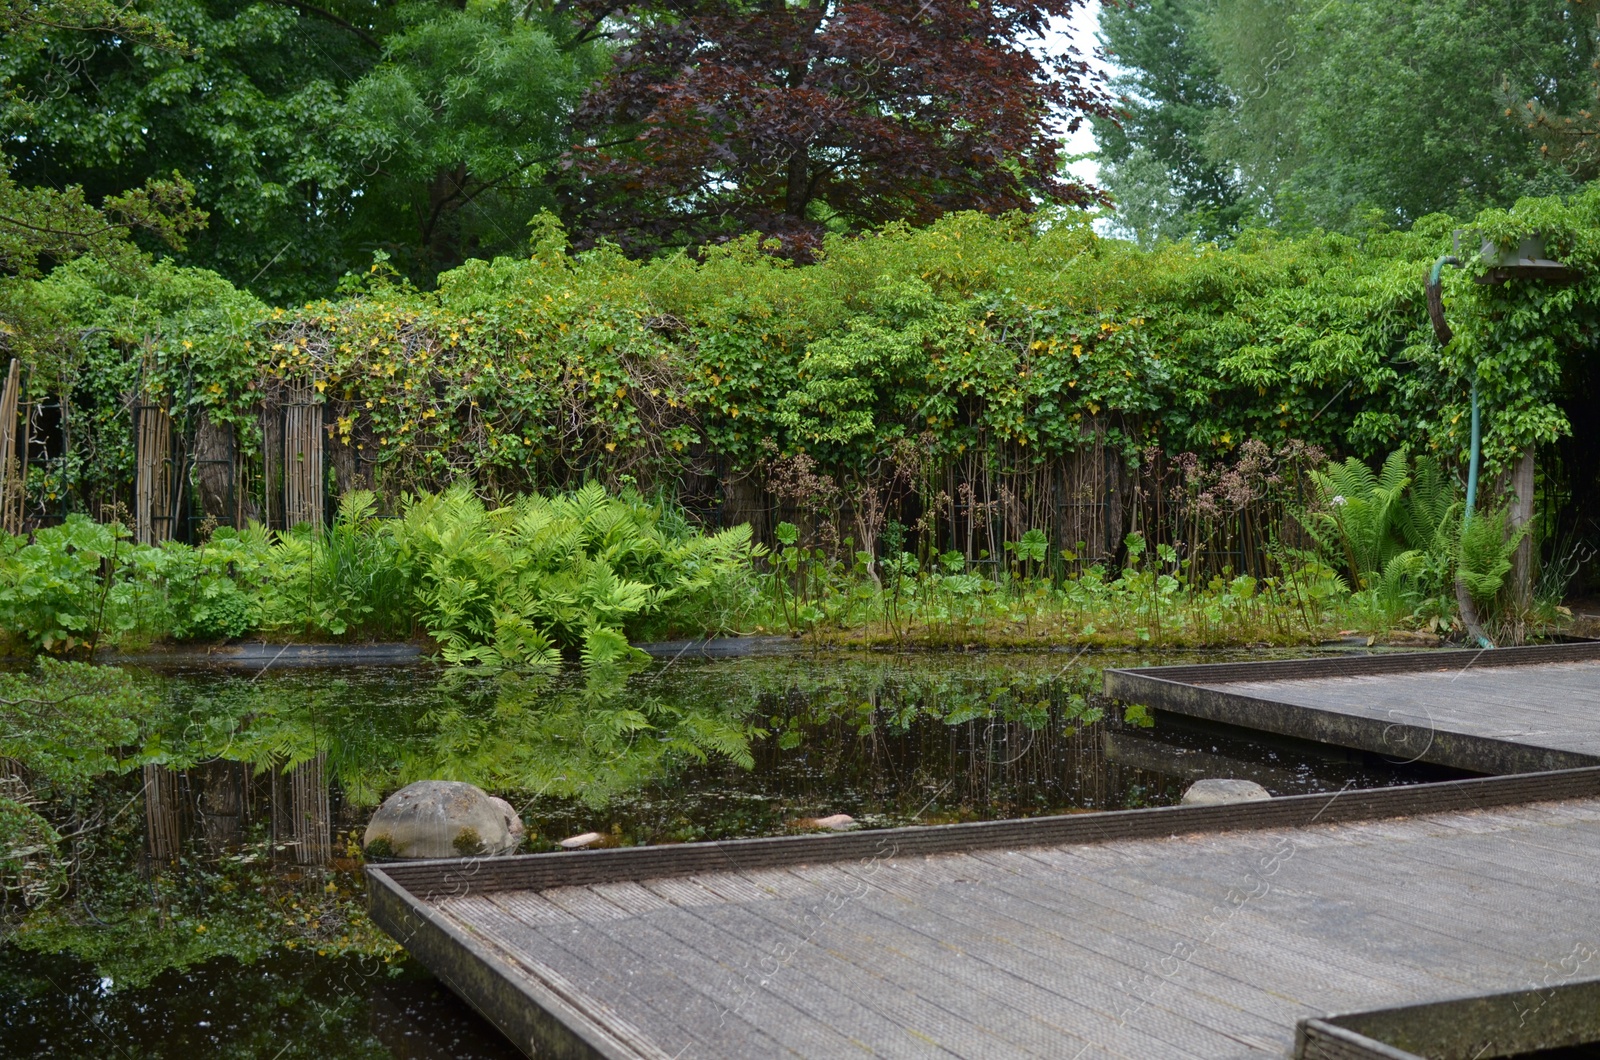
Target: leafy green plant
x,y
1397,533
346,580
511,585
210,592
60,591
1030,551
1484,556
1358,515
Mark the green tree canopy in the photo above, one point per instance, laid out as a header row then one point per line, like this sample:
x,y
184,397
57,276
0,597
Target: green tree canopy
x,y
44,226
313,135
1336,113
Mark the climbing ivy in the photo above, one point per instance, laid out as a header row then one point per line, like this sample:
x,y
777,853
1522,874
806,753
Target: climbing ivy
x,y
973,336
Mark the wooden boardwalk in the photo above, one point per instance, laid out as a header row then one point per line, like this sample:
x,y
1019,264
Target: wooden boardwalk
x,y
1179,932
1503,711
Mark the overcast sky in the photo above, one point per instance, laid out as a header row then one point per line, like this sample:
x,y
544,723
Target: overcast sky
x,y
1080,33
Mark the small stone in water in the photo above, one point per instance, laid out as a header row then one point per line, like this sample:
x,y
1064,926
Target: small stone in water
x,y
1220,791
838,822
578,842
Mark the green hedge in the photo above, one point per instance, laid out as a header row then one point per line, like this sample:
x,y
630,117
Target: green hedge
x,y
974,334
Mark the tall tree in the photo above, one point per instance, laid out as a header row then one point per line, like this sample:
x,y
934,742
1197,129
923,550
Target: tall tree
x,y
794,117
314,133
1156,161
41,227
1336,113
1390,108
1564,120
466,114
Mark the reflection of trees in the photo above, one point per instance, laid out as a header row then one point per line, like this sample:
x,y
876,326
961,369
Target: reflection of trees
x,y
286,1006
669,754
923,739
590,735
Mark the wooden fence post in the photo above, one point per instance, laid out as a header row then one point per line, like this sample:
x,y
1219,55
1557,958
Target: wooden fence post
x,y
11,474
152,489
303,480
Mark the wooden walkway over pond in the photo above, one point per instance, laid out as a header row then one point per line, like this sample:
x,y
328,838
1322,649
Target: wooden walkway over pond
x,y
1175,932
1507,710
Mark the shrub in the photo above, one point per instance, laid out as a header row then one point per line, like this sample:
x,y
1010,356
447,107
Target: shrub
x,y
58,592
515,584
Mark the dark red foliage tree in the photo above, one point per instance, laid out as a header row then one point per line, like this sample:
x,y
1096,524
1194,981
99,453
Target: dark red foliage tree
x,y
795,117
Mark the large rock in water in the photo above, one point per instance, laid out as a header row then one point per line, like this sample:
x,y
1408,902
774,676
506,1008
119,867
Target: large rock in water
x,y
1219,791
442,819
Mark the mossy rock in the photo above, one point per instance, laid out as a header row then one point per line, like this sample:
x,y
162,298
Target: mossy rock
x,y
441,819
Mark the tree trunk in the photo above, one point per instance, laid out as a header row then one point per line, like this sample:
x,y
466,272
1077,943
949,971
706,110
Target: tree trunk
x,y
441,236
222,805
798,194
214,466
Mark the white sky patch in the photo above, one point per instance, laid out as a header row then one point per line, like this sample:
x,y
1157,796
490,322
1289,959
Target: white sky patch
x,y
1079,33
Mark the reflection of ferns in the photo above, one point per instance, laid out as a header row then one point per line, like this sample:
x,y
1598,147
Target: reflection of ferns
x,y
591,743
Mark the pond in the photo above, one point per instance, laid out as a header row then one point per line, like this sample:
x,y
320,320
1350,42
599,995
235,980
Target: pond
x,y
222,914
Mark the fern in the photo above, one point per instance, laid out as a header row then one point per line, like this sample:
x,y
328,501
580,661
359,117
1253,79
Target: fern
x,y
1484,555
1359,514
562,566
1427,518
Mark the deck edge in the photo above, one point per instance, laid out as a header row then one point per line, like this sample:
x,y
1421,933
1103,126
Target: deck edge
x,y
575,868
534,1017
1174,689
1362,665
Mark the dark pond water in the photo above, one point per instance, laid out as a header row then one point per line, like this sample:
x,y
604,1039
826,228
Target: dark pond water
x,y
216,955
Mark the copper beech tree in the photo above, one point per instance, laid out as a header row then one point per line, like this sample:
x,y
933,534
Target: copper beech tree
x,y
794,118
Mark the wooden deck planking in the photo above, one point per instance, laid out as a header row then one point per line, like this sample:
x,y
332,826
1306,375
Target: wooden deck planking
x,y
1275,957
890,1019
1561,699
979,945
1329,966
848,998
859,946
659,1010
1508,710
1126,948
1011,918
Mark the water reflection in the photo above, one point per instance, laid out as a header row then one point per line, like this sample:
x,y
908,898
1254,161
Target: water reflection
x,y
644,754
184,923
678,752
282,1006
